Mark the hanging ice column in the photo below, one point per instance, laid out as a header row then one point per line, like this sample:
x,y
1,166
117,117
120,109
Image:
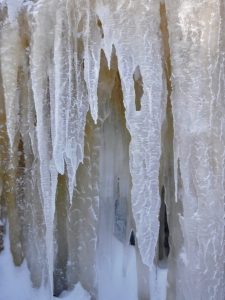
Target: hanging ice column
x,y
133,28
11,59
42,93
197,47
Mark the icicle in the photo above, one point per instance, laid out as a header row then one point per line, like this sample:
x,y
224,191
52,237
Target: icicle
x,y
61,89
78,96
10,57
40,60
133,31
64,89
92,46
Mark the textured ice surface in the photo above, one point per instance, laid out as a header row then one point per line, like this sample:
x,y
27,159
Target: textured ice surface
x,y
197,53
133,29
112,123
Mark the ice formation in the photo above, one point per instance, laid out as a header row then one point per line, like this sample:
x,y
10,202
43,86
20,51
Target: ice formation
x,y
112,149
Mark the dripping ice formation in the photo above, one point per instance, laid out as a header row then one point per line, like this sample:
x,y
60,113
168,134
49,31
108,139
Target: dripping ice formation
x,y
112,133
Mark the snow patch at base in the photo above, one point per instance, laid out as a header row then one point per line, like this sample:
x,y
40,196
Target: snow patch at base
x,y
158,282
15,283
78,293
122,284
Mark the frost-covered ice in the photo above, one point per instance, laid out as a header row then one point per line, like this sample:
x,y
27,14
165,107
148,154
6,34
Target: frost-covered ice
x,y
13,7
112,130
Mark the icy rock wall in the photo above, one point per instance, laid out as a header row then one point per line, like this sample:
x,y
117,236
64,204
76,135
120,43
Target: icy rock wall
x,y
112,145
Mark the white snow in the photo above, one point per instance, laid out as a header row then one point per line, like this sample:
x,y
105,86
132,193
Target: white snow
x,y
78,293
117,274
15,283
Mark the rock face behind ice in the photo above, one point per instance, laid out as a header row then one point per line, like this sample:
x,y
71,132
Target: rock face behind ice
x,y
112,138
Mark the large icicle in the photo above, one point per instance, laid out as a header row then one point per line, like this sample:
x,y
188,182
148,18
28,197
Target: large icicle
x,y
40,64
60,102
133,28
78,97
92,46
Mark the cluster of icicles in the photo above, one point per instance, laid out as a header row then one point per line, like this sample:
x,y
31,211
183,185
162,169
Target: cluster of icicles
x,y
110,110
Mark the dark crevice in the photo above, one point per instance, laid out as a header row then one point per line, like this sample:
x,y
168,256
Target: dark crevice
x,y
2,221
4,156
138,87
61,256
2,232
99,23
120,216
167,189
132,238
164,247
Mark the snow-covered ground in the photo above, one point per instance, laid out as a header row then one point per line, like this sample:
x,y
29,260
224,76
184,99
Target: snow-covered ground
x,y
15,283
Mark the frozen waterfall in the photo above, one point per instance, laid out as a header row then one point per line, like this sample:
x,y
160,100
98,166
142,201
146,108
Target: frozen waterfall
x,y
112,149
